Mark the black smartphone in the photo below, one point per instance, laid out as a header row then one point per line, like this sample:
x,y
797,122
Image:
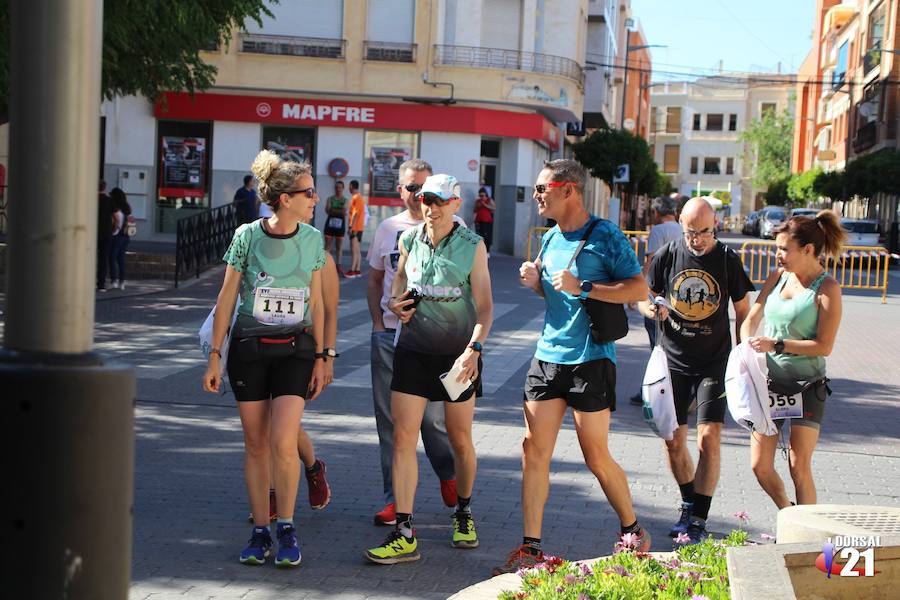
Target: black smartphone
x,y
415,296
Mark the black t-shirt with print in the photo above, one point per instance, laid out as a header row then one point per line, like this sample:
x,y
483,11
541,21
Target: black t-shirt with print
x,y
697,333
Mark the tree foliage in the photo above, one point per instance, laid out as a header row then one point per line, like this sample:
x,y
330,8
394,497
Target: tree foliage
x,y
152,46
605,149
777,194
800,186
830,184
769,140
868,175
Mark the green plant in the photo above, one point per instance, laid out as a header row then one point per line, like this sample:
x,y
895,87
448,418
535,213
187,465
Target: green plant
x,y
777,194
769,141
830,184
696,571
605,149
800,188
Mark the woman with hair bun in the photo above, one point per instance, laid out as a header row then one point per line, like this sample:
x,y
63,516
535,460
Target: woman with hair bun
x,y
276,357
801,304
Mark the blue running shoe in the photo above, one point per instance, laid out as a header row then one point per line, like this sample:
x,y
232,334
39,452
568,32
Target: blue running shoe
x,y
288,550
258,547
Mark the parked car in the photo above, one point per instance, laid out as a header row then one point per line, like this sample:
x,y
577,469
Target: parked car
x,y
862,232
749,227
770,218
804,212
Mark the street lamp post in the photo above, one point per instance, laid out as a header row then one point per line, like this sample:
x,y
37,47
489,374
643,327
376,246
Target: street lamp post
x,y
628,50
67,418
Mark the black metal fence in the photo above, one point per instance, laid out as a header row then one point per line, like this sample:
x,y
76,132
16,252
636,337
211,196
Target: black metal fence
x,y
201,240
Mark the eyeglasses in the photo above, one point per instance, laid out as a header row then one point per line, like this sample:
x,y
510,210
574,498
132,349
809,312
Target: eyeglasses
x,y
310,192
542,188
429,199
703,234
412,187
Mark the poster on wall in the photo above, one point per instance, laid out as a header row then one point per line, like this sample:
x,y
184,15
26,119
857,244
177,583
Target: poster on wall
x,y
289,143
183,166
384,175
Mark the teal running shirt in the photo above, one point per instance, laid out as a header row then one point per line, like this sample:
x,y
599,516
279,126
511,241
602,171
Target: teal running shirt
x,y
274,261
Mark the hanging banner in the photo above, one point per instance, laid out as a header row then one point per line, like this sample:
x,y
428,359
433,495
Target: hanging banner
x,y
183,167
384,175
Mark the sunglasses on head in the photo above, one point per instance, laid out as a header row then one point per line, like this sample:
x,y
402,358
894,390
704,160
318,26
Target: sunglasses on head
x,y
310,192
429,199
542,188
412,187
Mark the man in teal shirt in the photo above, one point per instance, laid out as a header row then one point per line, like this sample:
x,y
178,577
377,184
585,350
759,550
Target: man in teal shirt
x,y
569,367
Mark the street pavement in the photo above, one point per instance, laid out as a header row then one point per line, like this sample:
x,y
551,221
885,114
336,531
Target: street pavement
x,y
190,506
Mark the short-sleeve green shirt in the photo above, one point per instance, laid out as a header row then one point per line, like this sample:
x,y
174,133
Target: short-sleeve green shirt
x,y
275,261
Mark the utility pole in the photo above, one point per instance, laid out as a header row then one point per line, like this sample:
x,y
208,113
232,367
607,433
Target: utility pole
x,y
67,418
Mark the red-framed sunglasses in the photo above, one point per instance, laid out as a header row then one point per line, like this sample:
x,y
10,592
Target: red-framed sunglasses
x,y
543,187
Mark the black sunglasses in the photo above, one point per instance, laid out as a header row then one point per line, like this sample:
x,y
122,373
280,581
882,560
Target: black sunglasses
x,y
412,187
310,192
429,199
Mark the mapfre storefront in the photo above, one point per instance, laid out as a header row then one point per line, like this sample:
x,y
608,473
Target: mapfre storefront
x,y
190,153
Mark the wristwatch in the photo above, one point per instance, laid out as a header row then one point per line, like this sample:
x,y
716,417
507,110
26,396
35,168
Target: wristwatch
x,y
476,346
586,288
327,353
779,347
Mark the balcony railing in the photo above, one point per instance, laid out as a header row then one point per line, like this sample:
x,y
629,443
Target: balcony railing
x,y
865,136
499,58
287,45
389,52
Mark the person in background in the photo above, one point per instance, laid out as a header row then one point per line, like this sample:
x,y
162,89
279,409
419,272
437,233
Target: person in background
x,y
106,224
357,225
665,229
801,304
120,238
246,201
484,218
336,223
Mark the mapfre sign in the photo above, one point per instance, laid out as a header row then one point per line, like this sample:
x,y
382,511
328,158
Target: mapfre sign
x,y
403,117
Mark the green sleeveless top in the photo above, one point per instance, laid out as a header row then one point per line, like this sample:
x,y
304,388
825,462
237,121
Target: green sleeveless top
x,y
794,319
446,314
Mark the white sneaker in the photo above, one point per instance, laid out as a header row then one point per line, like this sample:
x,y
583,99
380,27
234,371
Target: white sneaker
x,y
121,285
114,285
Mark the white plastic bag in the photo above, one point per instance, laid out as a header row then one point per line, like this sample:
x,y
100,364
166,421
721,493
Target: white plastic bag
x,y
659,401
206,335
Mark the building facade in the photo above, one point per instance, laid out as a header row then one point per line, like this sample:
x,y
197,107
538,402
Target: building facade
x,y
696,127
482,90
850,93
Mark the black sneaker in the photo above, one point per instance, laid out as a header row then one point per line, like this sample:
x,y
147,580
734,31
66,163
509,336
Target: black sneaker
x,y
683,521
696,530
637,400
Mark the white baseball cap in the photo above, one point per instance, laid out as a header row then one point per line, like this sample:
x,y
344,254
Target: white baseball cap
x,y
443,186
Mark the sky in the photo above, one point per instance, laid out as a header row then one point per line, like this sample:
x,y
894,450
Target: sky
x,y
747,35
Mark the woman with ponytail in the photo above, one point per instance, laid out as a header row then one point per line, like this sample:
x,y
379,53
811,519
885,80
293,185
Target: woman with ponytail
x,y
276,359
801,304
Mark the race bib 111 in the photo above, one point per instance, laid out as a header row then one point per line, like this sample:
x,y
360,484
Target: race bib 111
x,y
279,306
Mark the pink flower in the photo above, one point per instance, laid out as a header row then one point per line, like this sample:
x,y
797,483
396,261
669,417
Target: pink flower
x,y
630,540
767,537
682,538
569,579
585,570
699,597
742,516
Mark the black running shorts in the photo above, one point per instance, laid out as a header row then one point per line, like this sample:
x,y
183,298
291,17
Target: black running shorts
x,y
267,377
587,387
419,374
708,388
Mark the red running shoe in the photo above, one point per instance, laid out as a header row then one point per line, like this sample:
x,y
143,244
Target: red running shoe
x,y
387,516
448,492
273,508
520,558
319,490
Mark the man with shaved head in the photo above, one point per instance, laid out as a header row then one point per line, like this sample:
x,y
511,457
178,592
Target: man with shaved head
x,y
696,275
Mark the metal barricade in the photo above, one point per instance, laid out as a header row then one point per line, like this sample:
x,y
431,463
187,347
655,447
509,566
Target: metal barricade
x,y
638,240
858,268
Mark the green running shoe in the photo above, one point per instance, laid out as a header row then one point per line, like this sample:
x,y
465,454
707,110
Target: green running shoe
x,y
464,535
396,548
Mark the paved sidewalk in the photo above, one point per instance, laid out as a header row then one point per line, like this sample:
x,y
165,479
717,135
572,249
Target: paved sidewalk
x,y
190,501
